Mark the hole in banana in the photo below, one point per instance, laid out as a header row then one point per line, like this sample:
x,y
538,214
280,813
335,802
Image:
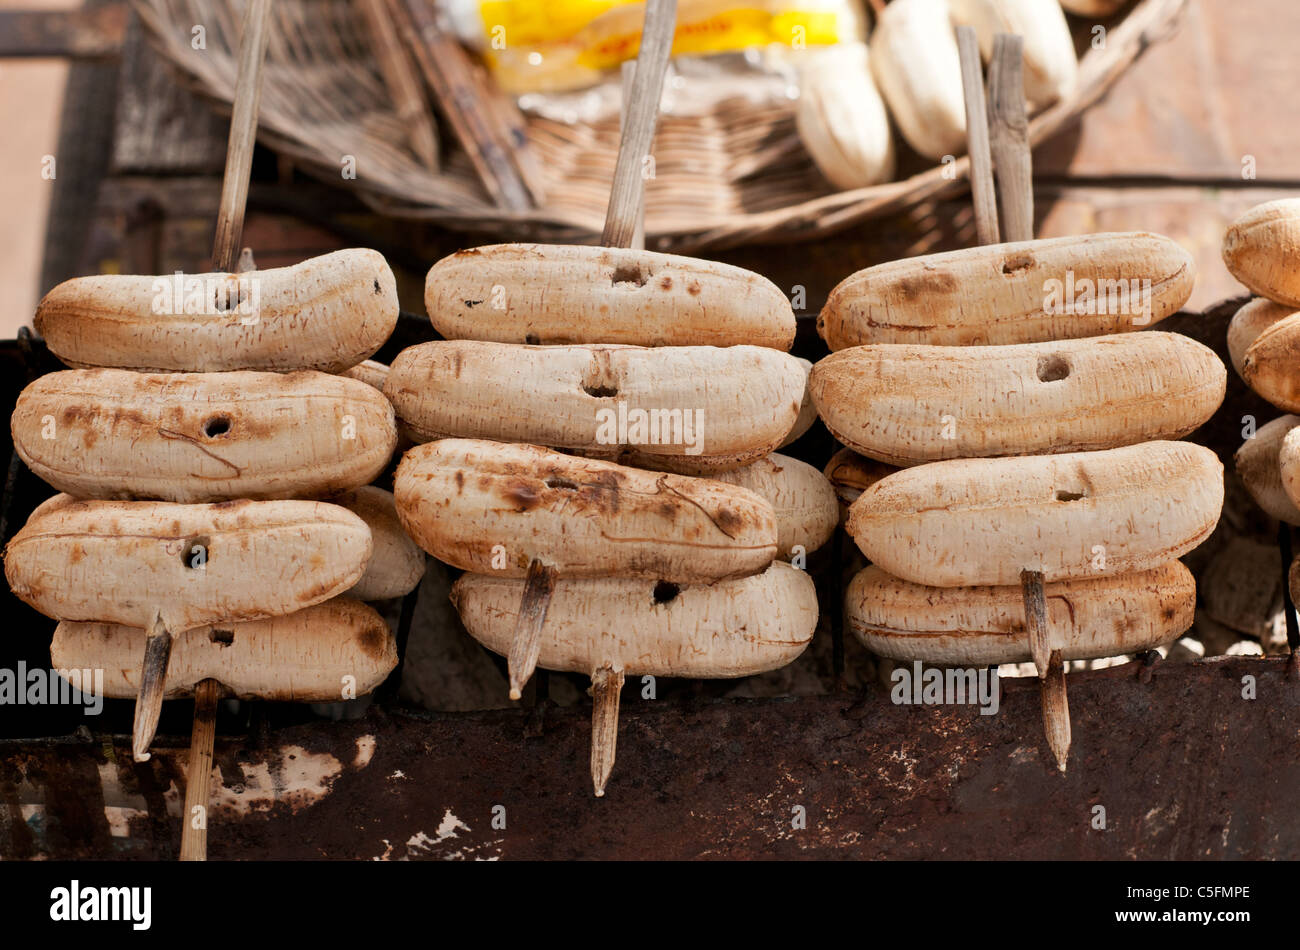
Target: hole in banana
x,y
1017,263
376,285
194,552
600,391
225,299
1052,368
665,592
1069,495
556,482
223,637
532,339
217,425
630,274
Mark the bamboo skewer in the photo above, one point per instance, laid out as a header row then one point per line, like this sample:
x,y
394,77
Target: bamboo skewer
x,y
1006,113
243,134
983,193
606,688
153,677
1009,131
1051,669
527,642
623,222
641,107
226,257
198,773
638,233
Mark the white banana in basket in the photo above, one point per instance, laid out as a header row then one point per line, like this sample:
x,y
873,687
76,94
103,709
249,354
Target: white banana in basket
x,y
1050,64
842,119
918,71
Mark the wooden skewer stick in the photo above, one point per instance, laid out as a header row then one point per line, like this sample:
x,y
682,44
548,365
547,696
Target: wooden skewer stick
x,y
606,688
641,114
153,678
226,257
623,224
527,642
1014,165
1051,669
626,196
1056,710
243,134
983,194
638,233
1017,205
198,772
1009,129
1031,583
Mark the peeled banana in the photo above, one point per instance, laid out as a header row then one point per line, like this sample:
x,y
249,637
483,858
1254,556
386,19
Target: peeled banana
x,y
918,71
1260,468
494,507
129,561
904,404
981,626
1269,364
336,650
396,562
549,294
1025,292
841,118
199,437
804,501
1248,323
1050,68
692,409
1087,514
1261,249
642,626
327,313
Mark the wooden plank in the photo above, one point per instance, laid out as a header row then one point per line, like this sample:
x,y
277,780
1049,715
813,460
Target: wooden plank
x,y
160,127
91,33
1183,765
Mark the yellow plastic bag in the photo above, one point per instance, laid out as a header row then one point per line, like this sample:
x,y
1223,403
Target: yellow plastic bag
x,y
554,45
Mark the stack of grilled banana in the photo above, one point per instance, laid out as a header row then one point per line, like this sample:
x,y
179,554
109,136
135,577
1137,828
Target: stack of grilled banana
x,y
1028,441
645,545
183,460
910,70
1261,249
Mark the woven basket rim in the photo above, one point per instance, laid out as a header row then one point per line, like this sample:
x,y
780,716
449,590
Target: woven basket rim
x,y
1147,23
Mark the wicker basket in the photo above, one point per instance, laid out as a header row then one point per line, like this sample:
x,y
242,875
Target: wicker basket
x,y
735,175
